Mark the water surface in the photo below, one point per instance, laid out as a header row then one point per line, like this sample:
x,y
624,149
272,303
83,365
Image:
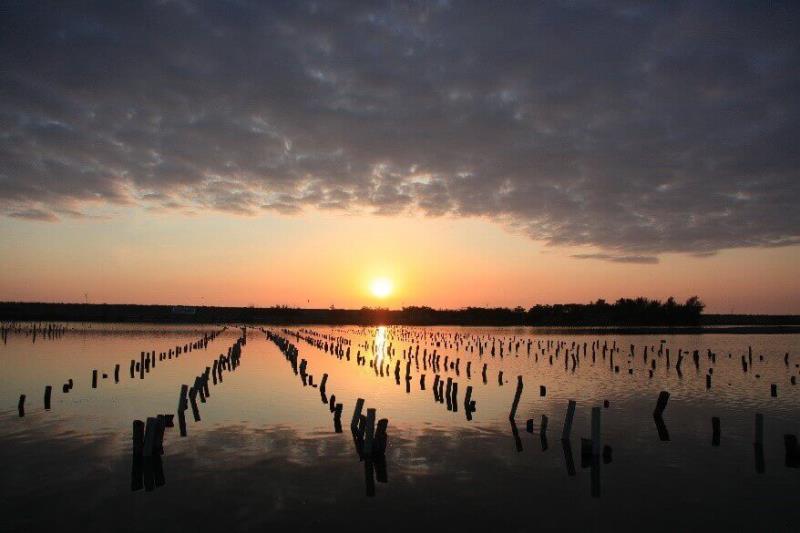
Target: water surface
x,y
266,454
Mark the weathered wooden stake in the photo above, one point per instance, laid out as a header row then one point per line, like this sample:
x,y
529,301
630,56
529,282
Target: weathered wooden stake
x,y
369,433
568,420
138,437
517,395
150,437
357,413
661,404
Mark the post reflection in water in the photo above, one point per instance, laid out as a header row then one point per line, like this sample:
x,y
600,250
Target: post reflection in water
x,y
287,438
147,472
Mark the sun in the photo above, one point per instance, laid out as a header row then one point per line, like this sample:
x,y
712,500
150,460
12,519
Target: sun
x,y
381,287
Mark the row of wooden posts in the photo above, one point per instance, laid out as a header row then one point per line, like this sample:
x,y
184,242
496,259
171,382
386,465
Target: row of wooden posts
x,y
591,446
571,352
212,374
144,365
370,435
334,347
148,437
47,330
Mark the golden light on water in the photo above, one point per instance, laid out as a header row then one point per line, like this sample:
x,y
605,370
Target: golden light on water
x,y
379,345
381,287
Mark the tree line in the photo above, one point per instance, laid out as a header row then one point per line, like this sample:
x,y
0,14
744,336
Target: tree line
x,y
623,312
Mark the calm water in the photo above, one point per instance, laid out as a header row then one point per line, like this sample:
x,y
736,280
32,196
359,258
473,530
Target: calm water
x,y
265,452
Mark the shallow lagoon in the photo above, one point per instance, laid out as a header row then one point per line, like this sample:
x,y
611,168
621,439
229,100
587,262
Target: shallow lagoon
x,y
265,452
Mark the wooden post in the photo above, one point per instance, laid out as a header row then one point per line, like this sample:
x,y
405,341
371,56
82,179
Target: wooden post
x,y
21,405
568,420
116,373
47,392
596,445
357,413
94,378
182,422
193,402
449,393
150,436
138,437
380,438
182,398
661,404
161,426
517,395
369,434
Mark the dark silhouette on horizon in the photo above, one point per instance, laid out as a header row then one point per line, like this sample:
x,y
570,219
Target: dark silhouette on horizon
x,y
624,313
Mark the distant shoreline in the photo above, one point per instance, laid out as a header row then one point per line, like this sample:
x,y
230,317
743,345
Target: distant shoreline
x,y
168,314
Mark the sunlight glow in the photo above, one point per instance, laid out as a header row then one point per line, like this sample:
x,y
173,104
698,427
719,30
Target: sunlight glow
x,y
381,287
379,345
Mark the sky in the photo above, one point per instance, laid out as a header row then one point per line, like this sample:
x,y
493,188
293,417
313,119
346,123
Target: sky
x,y
472,153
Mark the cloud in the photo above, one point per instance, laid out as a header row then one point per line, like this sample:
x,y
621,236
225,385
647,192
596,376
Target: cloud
x,y
34,214
638,259
634,129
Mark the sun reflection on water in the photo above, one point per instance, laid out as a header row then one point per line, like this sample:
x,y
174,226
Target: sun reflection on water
x,y
380,344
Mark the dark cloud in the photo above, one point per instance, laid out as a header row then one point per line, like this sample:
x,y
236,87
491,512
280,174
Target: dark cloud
x,y
636,129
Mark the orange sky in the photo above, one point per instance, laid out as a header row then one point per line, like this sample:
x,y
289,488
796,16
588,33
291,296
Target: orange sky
x,y
323,259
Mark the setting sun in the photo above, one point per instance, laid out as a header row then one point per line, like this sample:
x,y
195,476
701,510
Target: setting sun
x,y
381,287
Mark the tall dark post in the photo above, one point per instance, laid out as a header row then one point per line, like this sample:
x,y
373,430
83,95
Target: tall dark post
x,y
517,395
565,434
